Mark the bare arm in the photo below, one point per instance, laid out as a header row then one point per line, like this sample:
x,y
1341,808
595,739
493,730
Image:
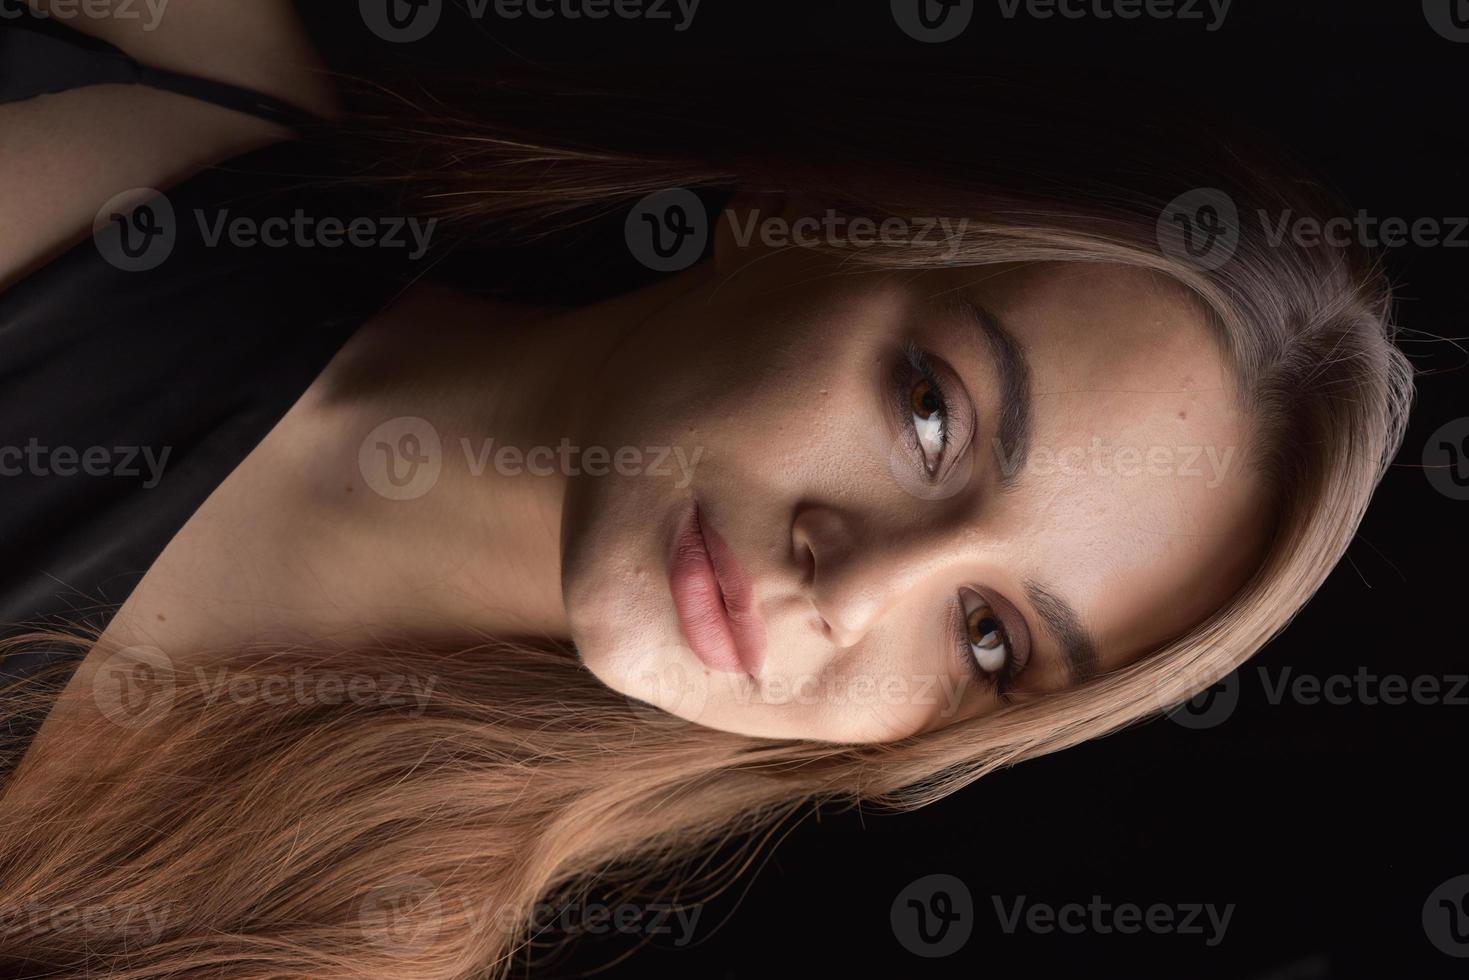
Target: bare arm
x,y
66,155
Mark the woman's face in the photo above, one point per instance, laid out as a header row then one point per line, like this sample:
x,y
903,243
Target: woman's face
x,y
891,501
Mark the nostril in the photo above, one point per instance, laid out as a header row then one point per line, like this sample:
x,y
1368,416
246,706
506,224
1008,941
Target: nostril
x,y
825,627
805,559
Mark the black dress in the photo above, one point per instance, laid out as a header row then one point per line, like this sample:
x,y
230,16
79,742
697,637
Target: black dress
x,y
138,368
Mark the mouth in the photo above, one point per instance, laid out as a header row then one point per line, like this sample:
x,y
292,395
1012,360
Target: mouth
x,y
715,600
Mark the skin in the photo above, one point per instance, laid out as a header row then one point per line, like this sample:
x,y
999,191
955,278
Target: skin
x,y
774,372
80,147
774,367
777,367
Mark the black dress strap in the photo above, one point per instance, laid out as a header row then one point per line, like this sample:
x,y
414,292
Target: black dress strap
x,y
41,56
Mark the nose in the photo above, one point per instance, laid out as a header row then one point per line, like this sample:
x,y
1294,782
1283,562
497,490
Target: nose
x,y
856,571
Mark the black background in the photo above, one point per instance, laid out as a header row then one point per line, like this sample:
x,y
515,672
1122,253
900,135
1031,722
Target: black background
x,y
1326,825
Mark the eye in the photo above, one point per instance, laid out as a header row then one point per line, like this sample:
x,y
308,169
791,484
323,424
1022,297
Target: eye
x,y
933,413
928,411
986,637
983,644
929,418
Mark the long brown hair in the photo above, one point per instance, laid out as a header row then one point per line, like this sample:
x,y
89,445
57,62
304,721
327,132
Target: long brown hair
x,y
305,837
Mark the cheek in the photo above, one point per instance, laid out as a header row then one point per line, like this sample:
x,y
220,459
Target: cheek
x,y
790,427
896,683
763,356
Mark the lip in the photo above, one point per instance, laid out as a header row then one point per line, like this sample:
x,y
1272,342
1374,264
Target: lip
x,y
715,599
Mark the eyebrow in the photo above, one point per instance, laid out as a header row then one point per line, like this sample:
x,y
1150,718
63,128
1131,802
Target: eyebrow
x,y
1012,428
1012,438
1078,649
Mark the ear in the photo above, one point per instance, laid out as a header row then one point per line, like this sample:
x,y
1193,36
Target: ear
x,y
743,229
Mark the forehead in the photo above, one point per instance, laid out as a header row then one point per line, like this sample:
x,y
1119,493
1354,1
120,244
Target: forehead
x,y
1080,320
1135,502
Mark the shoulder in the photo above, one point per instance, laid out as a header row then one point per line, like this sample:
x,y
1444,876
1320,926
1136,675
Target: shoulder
x,y
78,149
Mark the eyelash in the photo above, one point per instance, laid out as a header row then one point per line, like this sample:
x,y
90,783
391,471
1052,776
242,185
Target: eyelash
x,y
1001,679
918,360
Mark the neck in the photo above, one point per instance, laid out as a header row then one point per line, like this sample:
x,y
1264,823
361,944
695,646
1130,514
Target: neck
x,y
347,523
